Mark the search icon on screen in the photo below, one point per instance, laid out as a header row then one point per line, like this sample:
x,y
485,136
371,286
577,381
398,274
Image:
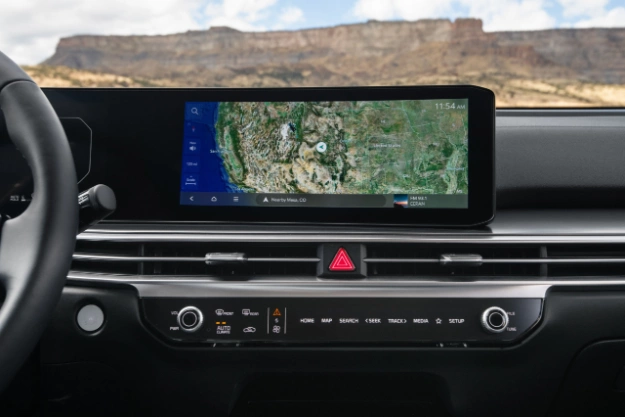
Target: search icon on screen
x,y
194,111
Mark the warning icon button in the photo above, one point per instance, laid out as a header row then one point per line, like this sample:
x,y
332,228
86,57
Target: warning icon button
x,y
342,262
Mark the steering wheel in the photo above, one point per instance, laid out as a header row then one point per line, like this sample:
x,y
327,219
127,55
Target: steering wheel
x,y
36,247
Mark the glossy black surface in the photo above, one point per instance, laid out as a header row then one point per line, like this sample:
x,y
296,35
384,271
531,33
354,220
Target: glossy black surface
x,y
342,320
137,137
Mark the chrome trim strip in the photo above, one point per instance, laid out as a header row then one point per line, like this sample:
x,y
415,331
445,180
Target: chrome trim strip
x,y
503,261
202,287
87,257
252,259
403,260
337,237
190,288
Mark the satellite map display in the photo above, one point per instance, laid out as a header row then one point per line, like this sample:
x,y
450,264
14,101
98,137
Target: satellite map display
x,y
393,148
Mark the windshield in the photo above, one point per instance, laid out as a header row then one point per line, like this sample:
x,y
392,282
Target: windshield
x,y
531,53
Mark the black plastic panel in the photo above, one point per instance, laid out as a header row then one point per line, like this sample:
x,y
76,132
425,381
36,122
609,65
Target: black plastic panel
x,y
560,158
337,320
178,379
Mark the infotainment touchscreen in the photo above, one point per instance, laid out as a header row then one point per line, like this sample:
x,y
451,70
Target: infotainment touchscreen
x,y
374,156
393,154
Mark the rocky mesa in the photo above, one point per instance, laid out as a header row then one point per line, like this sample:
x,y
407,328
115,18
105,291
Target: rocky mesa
x,y
372,53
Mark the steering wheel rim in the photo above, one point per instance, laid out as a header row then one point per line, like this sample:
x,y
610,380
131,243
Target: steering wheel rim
x,y
36,247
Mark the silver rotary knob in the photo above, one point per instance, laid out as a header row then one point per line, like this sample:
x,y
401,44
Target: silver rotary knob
x,y
494,320
190,319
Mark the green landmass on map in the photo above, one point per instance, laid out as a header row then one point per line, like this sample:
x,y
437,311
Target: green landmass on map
x,y
390,147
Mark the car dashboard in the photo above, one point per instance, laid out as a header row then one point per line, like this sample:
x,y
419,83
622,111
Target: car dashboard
x,y
522,316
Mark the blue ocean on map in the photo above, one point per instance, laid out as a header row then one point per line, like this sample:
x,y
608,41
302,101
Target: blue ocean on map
x,y
214,177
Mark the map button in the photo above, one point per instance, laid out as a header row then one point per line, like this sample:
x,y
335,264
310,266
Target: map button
x,y
321,147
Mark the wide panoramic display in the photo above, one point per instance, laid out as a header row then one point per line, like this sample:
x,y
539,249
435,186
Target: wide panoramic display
x,y
393,153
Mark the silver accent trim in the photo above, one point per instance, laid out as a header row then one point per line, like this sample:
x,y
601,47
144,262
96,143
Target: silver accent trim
x,y
235,236
198,324
486,317
90,143
477,262
461,260
403,260
87,257
215,258
203,287
210,260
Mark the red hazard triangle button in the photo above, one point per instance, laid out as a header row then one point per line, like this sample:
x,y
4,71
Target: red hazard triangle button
x,y
341,262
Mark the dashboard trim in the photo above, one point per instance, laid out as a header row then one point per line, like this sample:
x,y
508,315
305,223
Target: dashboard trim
x,y
194,287
403,237
202,287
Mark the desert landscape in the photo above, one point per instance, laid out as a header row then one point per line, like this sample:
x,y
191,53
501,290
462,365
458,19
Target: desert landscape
x,y
547,68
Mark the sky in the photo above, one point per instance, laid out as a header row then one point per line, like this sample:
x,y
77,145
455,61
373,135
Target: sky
x,y
30,29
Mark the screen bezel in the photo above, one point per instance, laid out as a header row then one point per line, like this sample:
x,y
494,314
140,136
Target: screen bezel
x,y
164,108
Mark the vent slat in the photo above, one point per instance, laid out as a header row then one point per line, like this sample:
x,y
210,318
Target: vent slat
x,y
494,261
244,260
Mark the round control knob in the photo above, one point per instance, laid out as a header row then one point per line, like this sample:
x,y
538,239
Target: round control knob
x,y
494,320
190,319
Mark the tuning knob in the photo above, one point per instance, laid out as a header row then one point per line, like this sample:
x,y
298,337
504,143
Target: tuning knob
x,y
494,320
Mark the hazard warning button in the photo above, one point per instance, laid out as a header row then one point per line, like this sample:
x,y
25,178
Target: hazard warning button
x,y
342,262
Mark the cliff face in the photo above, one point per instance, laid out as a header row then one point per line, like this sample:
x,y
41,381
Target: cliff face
x,y
370,53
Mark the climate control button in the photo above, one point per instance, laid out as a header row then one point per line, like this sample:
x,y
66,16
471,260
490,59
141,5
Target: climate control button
x,y
494,320
190,319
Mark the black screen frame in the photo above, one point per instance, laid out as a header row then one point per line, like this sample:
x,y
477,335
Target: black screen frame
x,y
123,118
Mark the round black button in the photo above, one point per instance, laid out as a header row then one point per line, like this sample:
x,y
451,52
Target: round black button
x,y
189,319
496,320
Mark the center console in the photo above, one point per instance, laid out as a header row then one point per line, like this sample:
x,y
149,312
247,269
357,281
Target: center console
x,y
443,322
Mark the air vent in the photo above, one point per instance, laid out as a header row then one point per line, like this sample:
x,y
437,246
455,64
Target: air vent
x,y
462,261
441,261
218,260
588,269
496,261
107,252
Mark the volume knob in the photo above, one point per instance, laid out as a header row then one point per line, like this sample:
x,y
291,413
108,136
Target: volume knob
x,y
190,319
494,320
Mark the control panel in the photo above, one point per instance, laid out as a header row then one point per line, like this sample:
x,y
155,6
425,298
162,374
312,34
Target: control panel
x,y
436,322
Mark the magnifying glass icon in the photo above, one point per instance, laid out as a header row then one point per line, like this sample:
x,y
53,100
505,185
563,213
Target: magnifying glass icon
x,y
194,111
